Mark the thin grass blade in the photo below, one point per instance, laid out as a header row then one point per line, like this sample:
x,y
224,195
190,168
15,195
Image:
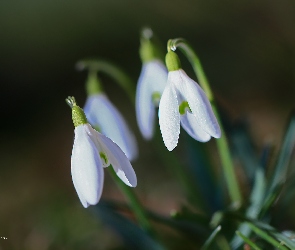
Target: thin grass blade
x,y
211,238
248,241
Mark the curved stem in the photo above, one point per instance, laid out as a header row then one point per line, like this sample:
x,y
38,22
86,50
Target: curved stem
x,y
111,70
187,50
222,143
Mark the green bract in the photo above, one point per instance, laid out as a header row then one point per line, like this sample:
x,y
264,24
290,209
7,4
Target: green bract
x,y
78,116
93,85
146,51
172,61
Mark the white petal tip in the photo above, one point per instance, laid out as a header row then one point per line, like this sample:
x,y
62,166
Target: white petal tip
x,y
85,205
132,185
170,147
217,134
131,181
147,136
205,140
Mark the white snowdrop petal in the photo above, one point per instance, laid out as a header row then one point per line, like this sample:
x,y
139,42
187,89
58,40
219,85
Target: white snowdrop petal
x,y
169,117
84,202
158,74
191,126
204,113
112,124
93,134
90,109
81,197
152,79
118,159
145,111
199,104
86,168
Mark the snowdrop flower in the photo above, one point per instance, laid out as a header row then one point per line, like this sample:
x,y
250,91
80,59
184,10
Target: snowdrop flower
x,y
92,151
184,102
150,86
104,116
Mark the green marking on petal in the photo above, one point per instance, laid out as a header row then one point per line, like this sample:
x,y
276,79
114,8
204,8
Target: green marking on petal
x,y
97,128
183,106
156,96
104,157
78,115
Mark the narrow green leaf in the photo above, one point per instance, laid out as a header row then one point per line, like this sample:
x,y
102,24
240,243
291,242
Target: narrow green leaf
x,y
133,236
202,174
248,241
280,236
244,149
284,238
280,170
222,243
137,208
266,237
211,238
188,184
254,209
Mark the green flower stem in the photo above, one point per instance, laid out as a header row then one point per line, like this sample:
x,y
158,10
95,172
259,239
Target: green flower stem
x,y
111,70
93,85
187,50
222,143
135,205
227,164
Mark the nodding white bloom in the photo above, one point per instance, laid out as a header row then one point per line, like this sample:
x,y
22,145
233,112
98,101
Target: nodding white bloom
x,y
92,151
151,83
184,102
106,118
150,86
102,114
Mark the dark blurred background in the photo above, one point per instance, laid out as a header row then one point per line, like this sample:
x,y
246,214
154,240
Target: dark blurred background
x,y
248,52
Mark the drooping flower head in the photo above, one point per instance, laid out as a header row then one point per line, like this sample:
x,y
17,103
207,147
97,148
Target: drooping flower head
x,y
92,151
106,118
151,84
184,102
